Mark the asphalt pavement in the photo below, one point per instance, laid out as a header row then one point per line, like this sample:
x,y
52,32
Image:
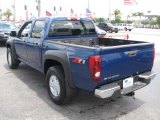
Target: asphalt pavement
x,y
23,96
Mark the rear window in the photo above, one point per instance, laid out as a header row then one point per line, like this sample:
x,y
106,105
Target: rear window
x,y
71,28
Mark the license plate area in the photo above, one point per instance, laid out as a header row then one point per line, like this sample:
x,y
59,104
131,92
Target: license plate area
x,y
128,82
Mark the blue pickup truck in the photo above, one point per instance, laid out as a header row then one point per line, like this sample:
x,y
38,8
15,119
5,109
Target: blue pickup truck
x,y
71,56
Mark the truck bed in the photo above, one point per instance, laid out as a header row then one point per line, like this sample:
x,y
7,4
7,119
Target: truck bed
x,y
100,42
116,42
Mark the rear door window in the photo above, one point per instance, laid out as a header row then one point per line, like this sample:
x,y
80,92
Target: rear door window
x,y
38,29
71,28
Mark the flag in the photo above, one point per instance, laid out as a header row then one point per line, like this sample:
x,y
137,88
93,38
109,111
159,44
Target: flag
x,y
88,13
130,2
48,13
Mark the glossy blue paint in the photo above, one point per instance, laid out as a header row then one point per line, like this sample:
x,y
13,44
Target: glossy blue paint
x,y
116,64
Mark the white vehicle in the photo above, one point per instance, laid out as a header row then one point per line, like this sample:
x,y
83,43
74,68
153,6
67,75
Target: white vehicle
x,y
124,26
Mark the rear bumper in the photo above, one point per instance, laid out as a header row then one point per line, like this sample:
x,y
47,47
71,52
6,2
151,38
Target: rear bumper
x,y
140,81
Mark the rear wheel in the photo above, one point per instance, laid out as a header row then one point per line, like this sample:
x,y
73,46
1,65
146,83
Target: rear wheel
x,y
110,31
56,85
125,29
13,63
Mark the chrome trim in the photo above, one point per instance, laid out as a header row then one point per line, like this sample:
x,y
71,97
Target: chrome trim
x,y
136,86
106,90
147,75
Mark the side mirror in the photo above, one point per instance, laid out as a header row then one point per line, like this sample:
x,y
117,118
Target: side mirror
x,y
13,34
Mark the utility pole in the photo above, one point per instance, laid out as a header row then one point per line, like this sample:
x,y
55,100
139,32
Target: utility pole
x,y
39,7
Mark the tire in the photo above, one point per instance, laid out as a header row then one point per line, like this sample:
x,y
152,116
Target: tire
x,y
110,31
125,29
56,85
13,63
129,29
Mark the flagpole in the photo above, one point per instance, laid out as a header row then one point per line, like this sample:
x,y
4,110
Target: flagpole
x,y
88,4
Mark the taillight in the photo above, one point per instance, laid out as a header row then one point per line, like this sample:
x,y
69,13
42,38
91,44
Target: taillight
x,y
95,67
73,18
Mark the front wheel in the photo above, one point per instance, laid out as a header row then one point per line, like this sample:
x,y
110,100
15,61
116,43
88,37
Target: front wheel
x,y
13,63
56,85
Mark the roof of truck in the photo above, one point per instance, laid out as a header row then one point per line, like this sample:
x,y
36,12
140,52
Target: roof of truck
x,y
63,18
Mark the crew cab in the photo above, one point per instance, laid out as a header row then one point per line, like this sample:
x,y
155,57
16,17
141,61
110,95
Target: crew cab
x,y
71,56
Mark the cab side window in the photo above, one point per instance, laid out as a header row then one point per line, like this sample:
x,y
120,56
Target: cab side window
x,y
38,29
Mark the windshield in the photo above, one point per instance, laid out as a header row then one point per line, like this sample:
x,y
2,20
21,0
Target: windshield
x,y
7,26
109,24
70,28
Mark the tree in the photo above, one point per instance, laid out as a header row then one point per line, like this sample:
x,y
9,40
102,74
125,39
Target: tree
x,y
8,13
118,19
158,20
99,20
117,15
148,11
128,16
140,14
134,15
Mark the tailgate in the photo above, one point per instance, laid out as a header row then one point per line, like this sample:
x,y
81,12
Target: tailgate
x,y
125,61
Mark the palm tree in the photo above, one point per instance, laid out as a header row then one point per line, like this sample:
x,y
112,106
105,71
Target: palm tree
x,y
128,16
117,13
149,17
140,14
8,13
148,11
134,14
117,16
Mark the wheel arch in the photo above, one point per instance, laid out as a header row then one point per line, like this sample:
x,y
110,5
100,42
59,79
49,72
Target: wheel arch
x,y
53,58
